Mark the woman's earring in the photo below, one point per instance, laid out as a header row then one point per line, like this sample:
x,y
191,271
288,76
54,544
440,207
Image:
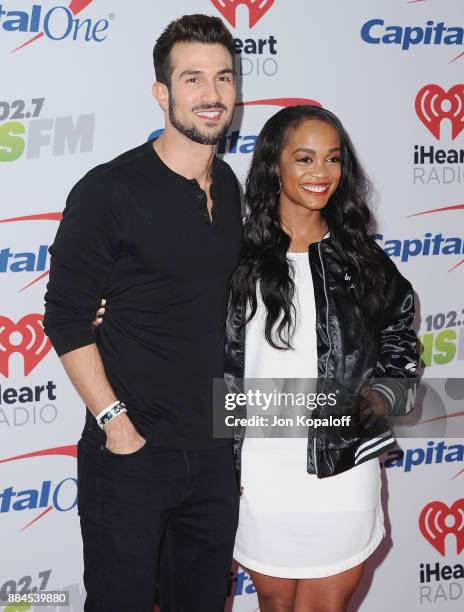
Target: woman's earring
x,y
280,185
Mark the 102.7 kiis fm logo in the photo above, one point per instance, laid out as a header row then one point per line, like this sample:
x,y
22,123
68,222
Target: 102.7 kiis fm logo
x,y
25,133
442,339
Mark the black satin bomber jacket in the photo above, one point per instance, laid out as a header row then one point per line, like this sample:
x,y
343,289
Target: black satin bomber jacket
x,y
386,359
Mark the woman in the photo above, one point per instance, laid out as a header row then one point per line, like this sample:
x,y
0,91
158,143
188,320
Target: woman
x,y
315,297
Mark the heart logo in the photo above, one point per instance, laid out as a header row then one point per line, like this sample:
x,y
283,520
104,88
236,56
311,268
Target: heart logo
x,y
33,344
256,9
437,520
433,104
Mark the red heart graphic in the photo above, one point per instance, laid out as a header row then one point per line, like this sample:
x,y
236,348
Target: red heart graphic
x,y
430,110
34,344
437,520
256,9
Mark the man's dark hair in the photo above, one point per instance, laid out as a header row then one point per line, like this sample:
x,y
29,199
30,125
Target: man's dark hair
x,y
189,28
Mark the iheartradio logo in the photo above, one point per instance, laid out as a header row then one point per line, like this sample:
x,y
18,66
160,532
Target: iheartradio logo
x,y
26,337
433,104
437,520
256,9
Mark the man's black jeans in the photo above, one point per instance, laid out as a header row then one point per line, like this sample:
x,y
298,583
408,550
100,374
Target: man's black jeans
x,y
157,515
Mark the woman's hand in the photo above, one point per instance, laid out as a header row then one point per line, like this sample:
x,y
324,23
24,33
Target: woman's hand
x,y
99,314
372,408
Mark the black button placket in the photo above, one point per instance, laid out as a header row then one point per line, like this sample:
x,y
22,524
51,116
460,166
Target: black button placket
x,y
202,200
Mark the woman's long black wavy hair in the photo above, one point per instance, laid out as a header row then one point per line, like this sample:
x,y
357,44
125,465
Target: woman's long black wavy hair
x,y
264,263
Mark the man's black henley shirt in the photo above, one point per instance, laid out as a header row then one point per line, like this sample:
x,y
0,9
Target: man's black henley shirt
x,y
139,234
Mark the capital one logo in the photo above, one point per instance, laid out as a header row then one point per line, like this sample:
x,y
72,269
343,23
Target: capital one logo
x,y
256,9
26,337
437,520
56,23
433,104
48,495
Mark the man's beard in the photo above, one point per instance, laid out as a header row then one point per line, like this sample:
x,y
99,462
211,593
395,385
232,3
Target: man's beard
x,y
191,131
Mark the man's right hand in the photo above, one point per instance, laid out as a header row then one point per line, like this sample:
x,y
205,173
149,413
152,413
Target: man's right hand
x,y
121,436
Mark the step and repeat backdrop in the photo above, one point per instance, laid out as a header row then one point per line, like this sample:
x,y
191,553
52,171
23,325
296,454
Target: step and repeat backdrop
x,y
75,92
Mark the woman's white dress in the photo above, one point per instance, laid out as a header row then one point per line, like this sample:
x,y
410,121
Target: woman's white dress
x,y
293,524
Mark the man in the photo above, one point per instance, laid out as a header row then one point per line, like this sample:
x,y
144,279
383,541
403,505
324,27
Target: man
x,y
158,232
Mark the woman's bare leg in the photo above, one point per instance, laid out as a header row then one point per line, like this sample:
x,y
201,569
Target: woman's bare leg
x,y
330,594
274,594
